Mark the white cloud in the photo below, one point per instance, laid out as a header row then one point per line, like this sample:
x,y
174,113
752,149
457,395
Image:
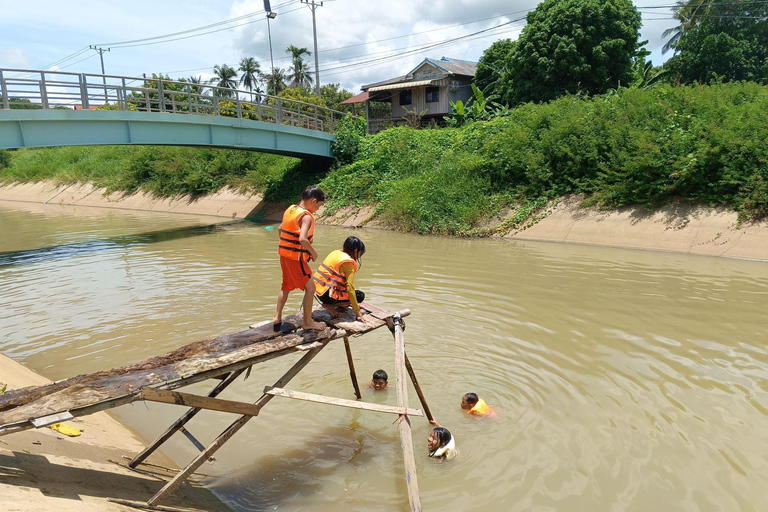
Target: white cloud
x,y
13,58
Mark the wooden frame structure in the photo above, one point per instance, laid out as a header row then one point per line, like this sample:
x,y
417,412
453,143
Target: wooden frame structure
x,y
225,358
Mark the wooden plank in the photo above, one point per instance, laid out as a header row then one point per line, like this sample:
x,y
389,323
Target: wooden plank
x,y
404,425
183,420
200,402
232,429
320,399
351,364
420,394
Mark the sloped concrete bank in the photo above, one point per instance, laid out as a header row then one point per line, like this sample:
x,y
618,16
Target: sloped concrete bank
x,y
677,228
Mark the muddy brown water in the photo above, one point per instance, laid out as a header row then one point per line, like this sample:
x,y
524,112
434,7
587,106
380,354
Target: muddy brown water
x,y
622,380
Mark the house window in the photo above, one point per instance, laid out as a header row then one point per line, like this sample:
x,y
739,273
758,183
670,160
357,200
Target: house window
x,y
433,94
406,97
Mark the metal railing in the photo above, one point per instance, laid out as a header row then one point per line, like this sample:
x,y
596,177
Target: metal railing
x,y
31,89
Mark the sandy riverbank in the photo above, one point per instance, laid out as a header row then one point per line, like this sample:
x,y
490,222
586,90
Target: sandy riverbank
x,y
676,228
44,470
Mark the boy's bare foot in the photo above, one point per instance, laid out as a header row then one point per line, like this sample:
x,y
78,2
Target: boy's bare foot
x,y
314,326
331,311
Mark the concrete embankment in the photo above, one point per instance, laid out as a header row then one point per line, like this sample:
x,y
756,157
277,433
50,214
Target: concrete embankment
x,y
44,470
676,228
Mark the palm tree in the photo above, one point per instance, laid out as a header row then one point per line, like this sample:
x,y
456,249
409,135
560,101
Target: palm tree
x,y
251,73
226,77
276,82
195,83
299,69
688,12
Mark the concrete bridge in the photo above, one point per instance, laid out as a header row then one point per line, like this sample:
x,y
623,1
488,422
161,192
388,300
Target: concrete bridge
x,y
47,108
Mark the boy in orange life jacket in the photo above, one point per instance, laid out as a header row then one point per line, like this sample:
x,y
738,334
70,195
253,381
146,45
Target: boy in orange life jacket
x,y
474,405
295,249
334,279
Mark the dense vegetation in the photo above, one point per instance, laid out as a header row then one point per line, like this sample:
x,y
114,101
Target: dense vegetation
x,y
702,144
163,171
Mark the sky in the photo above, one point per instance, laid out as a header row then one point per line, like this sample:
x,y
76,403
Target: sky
x,y
359,41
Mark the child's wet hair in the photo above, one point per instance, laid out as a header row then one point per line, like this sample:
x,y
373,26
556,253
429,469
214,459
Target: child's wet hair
x,y
313,192
380,375
471,398
443,435
352,244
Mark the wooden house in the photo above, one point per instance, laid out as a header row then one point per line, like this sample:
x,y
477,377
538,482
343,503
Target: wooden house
x,y
426,92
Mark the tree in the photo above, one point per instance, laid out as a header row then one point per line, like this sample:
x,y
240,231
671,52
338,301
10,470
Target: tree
x,y
492,65
299,76
276,81
688,12
195,83
333,95
226,77
572,46
729,42
251,73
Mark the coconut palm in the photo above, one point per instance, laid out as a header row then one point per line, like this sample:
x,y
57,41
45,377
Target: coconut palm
x,y
299,76
688,12
195,83
276,81
251,73
225,77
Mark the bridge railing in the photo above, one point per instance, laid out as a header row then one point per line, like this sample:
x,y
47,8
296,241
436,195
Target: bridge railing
x,y
27,89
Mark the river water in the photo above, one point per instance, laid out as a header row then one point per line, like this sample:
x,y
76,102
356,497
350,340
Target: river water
x,y
621,380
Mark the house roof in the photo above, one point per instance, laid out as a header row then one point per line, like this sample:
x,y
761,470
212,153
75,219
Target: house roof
x,y
360,98
448,66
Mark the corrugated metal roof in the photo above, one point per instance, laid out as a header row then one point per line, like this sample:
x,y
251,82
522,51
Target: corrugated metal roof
x,y
455,66
360,98
407,85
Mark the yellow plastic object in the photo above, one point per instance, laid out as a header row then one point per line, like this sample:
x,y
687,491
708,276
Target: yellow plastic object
x,y
65,429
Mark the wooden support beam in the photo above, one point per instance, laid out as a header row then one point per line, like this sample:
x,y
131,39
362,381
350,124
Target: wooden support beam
x,y
320,399
420,394
183,420
197,401
404,425
351,363
233,428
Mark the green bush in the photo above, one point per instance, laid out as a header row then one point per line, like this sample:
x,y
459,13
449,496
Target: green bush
x,y
348,136
700,144
5,159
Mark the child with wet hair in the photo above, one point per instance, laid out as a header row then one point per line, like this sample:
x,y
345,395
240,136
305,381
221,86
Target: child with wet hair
x,y
474,405
441,444
379,380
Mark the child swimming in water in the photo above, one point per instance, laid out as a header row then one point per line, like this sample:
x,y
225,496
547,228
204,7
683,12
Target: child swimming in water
x,y
474,405
441,444
379,380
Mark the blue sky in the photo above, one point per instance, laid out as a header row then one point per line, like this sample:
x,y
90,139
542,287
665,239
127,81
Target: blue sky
x,y
37,34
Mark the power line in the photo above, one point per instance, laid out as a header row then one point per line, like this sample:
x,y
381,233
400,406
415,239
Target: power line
x,y
196,29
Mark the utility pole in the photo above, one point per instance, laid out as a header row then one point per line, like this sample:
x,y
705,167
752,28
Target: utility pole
x,y
103,78
313,7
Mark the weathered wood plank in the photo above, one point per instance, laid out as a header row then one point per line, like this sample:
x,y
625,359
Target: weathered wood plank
x,y
125,388
320,399
406,438
200,402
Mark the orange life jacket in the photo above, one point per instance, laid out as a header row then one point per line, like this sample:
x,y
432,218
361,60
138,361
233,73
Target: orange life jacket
x,y
329,277
481,408
290,230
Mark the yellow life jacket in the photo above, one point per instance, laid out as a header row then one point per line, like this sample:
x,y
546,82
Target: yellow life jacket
x,y
290,230
481,408
329,277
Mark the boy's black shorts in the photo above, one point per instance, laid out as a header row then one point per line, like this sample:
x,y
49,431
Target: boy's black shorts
x,y
328,301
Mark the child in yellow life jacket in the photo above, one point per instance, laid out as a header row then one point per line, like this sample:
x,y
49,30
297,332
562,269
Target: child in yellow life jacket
x,y
295,250
334,279
474,405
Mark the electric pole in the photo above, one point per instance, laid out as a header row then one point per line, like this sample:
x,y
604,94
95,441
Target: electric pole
x,y
103,78
270,16
313,7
